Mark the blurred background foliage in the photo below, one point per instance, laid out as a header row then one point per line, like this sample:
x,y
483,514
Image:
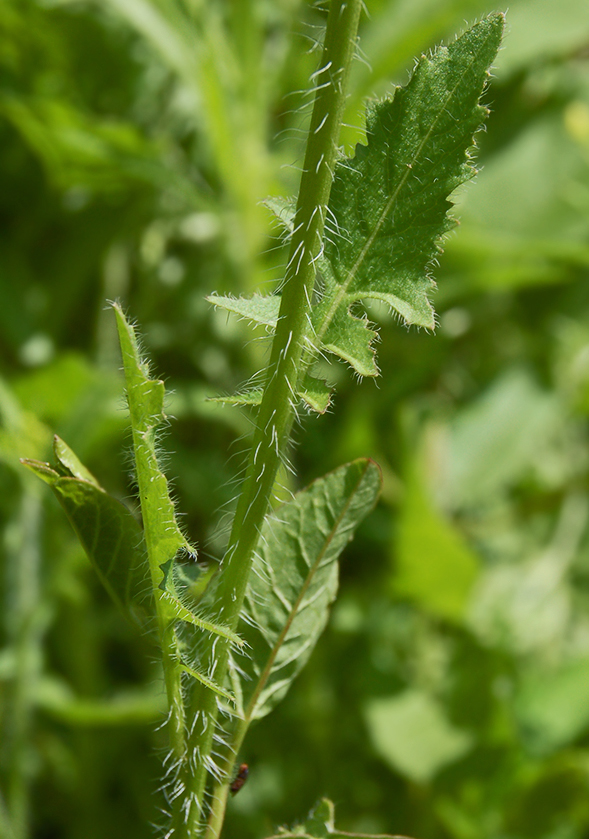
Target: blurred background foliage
x,y
449,698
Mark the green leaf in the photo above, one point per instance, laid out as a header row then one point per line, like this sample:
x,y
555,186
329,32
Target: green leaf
x,y
184,586
316,394
389,203
204,680
107,530
411,732
295,578
351,338
264,310
433,564
284,210
551,704
163,538
69,464
259,308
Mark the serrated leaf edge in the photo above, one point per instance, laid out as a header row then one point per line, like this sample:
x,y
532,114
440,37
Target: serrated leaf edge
x,y
252,704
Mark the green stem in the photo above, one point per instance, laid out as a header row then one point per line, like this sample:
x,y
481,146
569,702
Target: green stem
x,y
165,617
162,536
277,410
220,792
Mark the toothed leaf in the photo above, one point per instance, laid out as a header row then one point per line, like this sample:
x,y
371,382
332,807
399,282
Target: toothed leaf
x,y
389,203
350,338
259,308
295,578
316,394
284,209
110,535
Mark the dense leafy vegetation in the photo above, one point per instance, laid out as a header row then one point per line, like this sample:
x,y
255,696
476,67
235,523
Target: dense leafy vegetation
x,y
446,698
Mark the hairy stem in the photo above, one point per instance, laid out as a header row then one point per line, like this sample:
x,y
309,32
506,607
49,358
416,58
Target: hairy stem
x,y
277,410
278,404
165,617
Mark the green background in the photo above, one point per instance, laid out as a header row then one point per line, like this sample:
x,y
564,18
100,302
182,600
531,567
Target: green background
x,y
449,695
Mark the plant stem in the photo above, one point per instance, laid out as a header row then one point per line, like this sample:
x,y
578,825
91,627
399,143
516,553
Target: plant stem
x,y
165,618
220,792
162,536
278,406
277,409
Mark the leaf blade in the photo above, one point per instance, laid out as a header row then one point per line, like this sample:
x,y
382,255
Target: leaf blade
x,y
109,533
389,203
259,308
295,579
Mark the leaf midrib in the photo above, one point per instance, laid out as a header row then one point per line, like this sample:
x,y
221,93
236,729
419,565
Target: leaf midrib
x,y
266,673
343,288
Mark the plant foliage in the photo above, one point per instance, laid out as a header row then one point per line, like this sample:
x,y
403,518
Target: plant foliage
x,y
389,204
453,663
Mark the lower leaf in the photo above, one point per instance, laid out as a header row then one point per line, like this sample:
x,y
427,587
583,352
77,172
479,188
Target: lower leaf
x,y
295,578
107,530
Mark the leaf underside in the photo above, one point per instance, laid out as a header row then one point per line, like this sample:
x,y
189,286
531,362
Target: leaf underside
x,y
388,209
109,533
294,580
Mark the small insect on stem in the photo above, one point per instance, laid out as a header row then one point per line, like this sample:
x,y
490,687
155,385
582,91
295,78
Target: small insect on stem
x,y
240,778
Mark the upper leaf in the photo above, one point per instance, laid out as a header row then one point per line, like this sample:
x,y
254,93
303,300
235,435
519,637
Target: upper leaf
x,y
389,203
294,580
